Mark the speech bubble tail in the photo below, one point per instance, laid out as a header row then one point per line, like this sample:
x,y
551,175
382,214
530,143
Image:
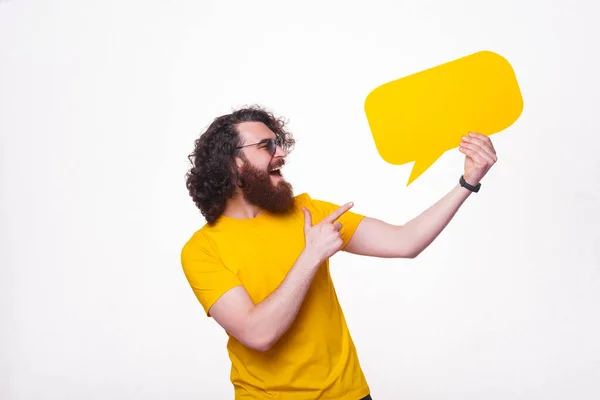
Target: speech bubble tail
x,y
420,166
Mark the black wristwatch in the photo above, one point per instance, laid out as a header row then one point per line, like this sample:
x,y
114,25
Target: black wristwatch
x,y
464,184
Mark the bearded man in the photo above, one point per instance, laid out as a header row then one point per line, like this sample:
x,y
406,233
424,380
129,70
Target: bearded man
x,y
260,265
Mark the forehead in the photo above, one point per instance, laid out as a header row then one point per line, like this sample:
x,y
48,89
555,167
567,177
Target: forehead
x,y
251,132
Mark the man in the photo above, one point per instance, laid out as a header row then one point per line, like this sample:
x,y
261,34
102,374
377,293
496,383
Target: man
x,y
260,267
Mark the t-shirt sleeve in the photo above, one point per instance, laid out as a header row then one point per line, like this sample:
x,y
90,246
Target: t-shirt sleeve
x,y
349,220
205,272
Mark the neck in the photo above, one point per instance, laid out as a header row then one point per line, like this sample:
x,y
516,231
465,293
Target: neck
x,y
238,208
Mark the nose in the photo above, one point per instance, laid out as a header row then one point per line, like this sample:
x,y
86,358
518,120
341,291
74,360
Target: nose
x,y
279,152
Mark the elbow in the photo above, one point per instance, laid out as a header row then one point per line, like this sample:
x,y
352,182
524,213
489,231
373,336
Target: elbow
x,y
260,340
414,254
414,250
407,253
406,248
264,346
261,343
410,253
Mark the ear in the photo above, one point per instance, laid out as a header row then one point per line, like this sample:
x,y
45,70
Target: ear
x,y
235,169
239,161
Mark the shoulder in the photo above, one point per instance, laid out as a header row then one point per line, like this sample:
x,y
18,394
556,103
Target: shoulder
x,y
302,200
202,237
306,201
315,204
197,243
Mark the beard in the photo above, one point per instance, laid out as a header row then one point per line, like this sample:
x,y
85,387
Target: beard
x,y
259,190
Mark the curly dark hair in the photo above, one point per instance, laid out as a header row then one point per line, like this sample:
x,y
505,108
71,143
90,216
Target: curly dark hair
x,y
211,179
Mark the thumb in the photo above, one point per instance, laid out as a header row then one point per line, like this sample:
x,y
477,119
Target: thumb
x,y
307,219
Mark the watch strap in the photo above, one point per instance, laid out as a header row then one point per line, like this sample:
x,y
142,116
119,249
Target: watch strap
x,y
464,184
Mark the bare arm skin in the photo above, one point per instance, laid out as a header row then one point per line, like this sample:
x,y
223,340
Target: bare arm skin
x,y
379,239
260,326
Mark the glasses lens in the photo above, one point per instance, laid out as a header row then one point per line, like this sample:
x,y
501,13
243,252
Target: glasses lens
x,y
272,145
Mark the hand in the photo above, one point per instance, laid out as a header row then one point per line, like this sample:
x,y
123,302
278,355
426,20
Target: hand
x,y
324,239
480,156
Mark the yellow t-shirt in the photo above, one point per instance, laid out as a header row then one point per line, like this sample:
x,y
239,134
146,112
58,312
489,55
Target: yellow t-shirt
x,y
316,357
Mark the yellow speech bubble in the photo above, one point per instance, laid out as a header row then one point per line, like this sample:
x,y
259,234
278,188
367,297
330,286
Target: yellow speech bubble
x,y
421,116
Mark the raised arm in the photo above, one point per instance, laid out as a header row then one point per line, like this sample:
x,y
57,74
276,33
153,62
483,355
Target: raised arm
x,y
259,326
377,238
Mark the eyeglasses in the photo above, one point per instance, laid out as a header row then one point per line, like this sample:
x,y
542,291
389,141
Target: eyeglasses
x,y
269,144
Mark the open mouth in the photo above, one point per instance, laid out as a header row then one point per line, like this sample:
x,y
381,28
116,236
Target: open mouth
x,y
275,171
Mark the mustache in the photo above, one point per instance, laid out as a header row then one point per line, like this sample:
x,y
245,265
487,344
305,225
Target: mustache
x,y
277,164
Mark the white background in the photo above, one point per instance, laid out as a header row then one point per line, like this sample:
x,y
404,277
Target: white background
x,y
100,103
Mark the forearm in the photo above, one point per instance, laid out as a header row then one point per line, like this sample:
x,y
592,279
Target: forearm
x,y
422,230
272,317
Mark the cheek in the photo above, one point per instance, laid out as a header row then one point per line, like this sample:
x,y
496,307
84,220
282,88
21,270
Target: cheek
x,y
262,163
259,163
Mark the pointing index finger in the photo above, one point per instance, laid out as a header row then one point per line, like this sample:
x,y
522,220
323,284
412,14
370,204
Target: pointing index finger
x,y
339,212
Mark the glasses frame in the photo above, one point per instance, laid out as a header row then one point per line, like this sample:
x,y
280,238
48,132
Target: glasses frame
x,y
271,142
